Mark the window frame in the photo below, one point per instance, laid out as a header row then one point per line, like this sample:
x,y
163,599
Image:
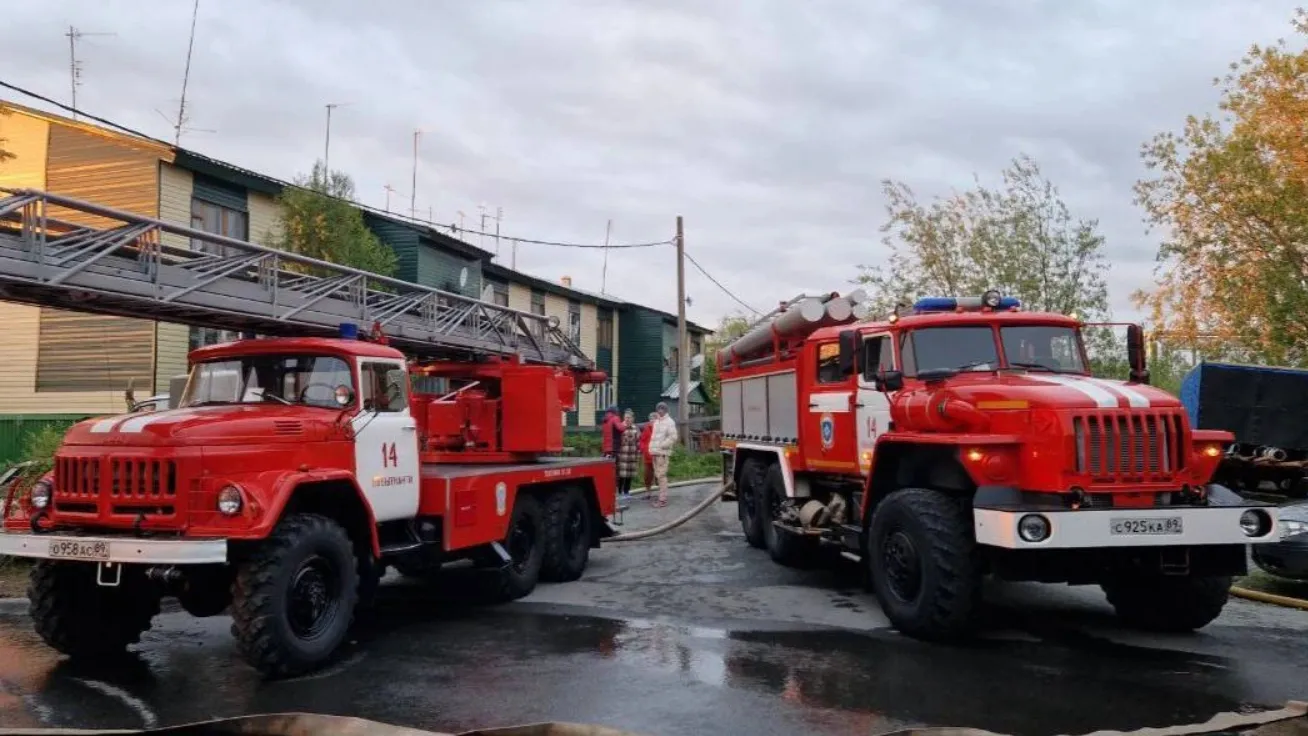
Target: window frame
x,y
369,375
819,377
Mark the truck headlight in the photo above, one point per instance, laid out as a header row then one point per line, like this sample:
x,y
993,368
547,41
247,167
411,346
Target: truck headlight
x,y
230,501
42,492
1255,523
1033,528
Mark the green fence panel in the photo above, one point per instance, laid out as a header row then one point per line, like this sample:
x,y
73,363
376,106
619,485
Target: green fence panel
x,y
16,428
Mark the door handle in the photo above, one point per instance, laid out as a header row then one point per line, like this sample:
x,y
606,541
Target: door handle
x,y
812,405
408,428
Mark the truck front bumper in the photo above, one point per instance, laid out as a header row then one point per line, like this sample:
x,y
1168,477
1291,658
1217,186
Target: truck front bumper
x,y
1160,526
114,549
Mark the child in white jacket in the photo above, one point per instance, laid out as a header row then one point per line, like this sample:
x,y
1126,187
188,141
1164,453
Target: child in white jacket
x,y
661,443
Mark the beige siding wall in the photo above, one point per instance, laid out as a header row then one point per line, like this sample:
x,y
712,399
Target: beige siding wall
x,y
172,340
77,161
26,138
589,340
613,376
175,186
519,297
18,353
265,218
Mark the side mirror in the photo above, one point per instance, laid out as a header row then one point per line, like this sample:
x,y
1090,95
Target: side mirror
x,y
848,352
1135,354
890,380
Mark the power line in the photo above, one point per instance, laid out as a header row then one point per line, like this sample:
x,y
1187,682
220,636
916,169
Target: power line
x,y
452,228
718,284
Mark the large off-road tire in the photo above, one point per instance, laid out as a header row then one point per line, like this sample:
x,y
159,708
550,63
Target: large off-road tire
x,y
753,476
784,547
1167,603
922,563
295,595
525,543
78,617
568,530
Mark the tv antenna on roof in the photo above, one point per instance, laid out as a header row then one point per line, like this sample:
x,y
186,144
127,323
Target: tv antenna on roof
x,y
186,77
75,66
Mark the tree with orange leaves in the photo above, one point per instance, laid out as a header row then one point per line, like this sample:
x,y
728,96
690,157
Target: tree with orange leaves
x,y
1231,193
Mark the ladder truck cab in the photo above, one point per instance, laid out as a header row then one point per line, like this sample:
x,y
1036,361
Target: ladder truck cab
x,y
966,438
294,470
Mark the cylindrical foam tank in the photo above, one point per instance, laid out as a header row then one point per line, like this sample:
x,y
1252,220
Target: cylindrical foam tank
x,y
799,319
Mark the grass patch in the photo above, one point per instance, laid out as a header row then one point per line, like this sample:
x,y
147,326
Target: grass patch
x,y
683,465
1264,582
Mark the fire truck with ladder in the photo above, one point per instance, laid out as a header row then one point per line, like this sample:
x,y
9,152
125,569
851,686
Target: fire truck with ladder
x,y
963,438
372,423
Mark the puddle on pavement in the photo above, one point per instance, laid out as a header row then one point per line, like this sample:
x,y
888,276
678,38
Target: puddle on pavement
x,y
468,666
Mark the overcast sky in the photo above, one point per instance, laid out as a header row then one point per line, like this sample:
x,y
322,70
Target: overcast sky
x,y
768,124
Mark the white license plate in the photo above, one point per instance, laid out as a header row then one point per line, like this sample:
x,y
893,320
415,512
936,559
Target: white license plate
x,y
1158,525
71,549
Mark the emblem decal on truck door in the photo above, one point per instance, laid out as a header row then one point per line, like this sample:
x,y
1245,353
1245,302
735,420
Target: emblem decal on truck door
x,y
827,425
501,498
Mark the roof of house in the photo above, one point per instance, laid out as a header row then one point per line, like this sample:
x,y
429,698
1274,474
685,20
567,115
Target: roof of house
x,y
673,391
252,180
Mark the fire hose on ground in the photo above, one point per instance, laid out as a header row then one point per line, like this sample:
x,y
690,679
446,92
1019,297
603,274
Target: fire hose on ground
x,y
699,508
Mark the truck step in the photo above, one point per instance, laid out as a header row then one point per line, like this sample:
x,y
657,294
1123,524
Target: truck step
x,y
851,556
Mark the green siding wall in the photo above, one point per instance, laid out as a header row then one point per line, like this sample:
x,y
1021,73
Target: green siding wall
x,y
402,240
442,270
640,359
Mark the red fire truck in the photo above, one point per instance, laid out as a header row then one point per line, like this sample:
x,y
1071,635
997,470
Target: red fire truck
x,y
964,437
297,466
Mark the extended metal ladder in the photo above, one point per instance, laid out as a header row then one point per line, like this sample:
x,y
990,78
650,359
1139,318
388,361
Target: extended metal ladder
x,y
120,266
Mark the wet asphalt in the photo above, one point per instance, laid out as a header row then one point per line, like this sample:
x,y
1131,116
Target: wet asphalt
x,y
692,632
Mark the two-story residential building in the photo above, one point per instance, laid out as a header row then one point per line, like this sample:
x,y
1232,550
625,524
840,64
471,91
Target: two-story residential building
x,y
649,360
58,366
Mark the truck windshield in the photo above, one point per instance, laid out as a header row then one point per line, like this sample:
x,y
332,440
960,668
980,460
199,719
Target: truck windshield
x,y
309,380
1033,347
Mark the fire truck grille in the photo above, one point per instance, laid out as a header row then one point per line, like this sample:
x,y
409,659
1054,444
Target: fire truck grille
x,y
131,486
1113,446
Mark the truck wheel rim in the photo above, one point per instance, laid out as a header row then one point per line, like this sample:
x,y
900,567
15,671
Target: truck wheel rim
x,y
521,543
314,598
903,567
572,531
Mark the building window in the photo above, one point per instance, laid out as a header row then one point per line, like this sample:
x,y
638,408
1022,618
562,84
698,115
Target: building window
x,y
696,345
202,336
574,321
537,302
605,337
219,220
499,293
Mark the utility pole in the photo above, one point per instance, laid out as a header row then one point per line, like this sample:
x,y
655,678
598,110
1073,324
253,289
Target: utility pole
x,y
683,355
75,68
413,191
327,146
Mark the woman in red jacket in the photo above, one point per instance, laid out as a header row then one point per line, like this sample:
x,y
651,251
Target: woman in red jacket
x,y
645,433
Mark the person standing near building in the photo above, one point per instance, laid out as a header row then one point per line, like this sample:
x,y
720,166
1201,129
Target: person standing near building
x,y
646,432
661,444
628,453
611,432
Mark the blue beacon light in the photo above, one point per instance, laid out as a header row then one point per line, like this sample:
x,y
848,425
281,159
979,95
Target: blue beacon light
x,y
950,304
349,331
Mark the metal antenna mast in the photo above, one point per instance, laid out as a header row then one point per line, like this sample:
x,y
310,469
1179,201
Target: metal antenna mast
x,y
74,66
186,77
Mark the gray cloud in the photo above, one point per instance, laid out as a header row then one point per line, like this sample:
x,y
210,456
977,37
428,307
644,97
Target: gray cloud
x,y
768,124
